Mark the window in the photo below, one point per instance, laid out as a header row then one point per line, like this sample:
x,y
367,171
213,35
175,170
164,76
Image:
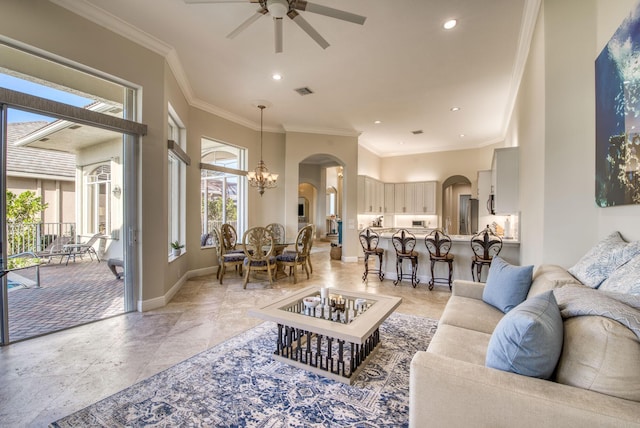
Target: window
x,y
222,187
176,185
98,209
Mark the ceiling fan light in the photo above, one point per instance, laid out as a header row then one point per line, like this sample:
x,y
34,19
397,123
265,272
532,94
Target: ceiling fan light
x,y
278,8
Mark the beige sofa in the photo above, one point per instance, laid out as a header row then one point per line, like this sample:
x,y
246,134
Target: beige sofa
x,y
451,387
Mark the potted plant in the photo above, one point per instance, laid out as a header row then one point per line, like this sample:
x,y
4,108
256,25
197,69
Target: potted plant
x,y
176,248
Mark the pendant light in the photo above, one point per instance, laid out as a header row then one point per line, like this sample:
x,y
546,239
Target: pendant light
x,y
261,178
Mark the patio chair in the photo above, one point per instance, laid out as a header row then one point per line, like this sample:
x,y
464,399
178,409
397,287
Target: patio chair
x,y
82,248
56,248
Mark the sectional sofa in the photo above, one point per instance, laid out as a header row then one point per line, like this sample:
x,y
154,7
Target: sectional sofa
x,y
595,383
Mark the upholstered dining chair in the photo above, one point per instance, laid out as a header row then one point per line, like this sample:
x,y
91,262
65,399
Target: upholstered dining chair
x,y
438,244
485,246
293,259
229,239
216,242
369,241
277,231
404,243
258,245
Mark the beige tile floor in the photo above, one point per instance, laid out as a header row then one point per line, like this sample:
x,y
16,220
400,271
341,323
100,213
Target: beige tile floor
x,y
46,378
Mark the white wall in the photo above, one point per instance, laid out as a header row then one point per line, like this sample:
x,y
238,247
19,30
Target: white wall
x,y
554,123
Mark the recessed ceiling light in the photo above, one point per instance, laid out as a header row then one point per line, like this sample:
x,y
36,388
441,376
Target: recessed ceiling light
x,y
401,142
277,76
461,135
454,109
377,122
450,24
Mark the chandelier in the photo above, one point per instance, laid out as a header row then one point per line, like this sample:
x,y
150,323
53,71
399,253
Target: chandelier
x,y
261,178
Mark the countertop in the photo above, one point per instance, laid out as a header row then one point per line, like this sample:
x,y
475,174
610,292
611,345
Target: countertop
x,y
420,233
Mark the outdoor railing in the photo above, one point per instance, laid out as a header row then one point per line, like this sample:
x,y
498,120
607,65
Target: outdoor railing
x,y
35,237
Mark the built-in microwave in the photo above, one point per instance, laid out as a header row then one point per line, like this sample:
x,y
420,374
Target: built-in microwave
x,y
417,223
491,205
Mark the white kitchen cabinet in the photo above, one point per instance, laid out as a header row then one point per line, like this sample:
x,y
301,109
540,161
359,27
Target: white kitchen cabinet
x,y
505,180
415,198
425,197
370,195
389,198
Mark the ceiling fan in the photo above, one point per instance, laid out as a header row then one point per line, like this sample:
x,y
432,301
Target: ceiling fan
x,y
279,8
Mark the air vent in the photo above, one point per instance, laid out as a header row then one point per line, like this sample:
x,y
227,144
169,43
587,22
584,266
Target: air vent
x,y
417,132
304,91
75,126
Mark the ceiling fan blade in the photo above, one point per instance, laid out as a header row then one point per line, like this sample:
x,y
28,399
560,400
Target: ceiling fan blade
x,y
220,1
307,28
329,11
278,32
253,18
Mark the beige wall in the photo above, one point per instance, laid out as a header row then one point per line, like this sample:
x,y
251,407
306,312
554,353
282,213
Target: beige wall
x,y
300,146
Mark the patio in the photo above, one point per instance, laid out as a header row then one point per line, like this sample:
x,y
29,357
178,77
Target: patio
x,y
78,293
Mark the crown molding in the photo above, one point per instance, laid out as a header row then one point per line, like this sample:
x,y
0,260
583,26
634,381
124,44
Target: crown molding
x,y
323,131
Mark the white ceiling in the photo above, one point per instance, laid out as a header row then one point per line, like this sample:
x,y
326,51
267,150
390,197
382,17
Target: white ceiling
x,y
401,67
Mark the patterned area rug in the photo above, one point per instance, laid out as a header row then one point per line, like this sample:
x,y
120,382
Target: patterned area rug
x,y
230,385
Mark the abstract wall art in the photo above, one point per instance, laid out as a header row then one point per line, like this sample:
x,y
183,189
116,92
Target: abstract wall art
x,y
617,71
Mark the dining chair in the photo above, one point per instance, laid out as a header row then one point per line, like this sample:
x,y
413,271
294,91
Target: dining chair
x,y
438,244
217,244
258,245
230,257
293,259
229,239
485,246
277,231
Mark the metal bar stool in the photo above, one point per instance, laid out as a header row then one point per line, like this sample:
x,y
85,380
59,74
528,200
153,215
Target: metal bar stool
x,y
485,246
439,245
404,242
369,241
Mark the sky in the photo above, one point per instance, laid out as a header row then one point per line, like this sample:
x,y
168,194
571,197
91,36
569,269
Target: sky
x,y
41,91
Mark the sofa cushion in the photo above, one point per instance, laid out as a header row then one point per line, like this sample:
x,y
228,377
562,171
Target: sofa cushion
x,y
460,344
470,313
528,340
601,355
549,277
601,260
507,285
625,279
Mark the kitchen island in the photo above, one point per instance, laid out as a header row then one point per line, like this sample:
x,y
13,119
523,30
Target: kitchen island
x,y
460,248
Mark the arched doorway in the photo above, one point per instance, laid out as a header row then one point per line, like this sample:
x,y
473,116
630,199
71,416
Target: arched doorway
x,y
316,175
456,201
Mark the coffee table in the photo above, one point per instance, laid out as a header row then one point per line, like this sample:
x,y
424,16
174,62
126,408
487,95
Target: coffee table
x,y
333,343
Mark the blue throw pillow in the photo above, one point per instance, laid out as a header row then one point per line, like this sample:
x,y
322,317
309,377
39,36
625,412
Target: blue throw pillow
x,y
507,285
528,340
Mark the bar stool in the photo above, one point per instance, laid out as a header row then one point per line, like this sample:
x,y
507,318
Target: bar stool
x,y
369,241
485,246
404,242
439,245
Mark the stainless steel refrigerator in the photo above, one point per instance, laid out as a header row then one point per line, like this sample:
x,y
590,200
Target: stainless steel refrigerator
x,y
468,215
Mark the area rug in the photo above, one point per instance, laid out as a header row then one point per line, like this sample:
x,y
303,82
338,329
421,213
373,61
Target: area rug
x,y
230,385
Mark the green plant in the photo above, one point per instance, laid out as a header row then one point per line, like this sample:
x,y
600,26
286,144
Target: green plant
x,y
176,245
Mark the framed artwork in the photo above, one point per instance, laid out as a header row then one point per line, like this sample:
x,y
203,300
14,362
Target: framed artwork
x,y
617,70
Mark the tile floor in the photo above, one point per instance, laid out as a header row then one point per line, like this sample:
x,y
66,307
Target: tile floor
x,y
45,378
